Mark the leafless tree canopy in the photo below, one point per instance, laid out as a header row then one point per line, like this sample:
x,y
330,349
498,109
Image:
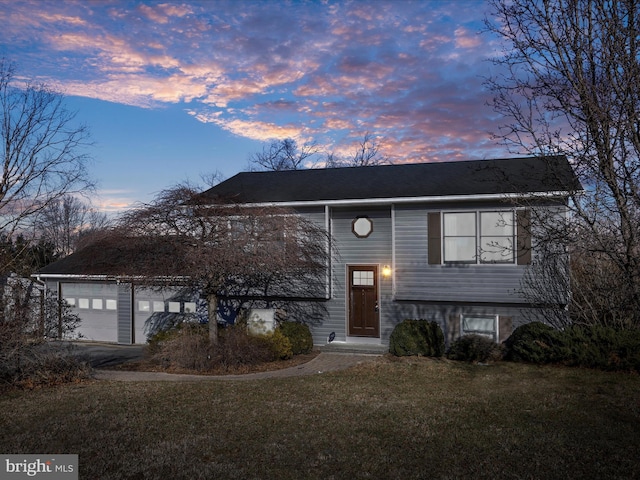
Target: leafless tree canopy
x,y
366,154
43,150
219,249
570,84
284,154
287,154
63,222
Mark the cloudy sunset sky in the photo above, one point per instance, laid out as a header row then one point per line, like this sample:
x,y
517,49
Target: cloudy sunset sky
x,y
174,90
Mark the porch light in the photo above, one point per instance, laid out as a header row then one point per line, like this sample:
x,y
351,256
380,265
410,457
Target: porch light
x,y
386,271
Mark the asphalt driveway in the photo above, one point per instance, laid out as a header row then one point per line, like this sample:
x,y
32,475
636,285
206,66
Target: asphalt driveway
x,y
101,355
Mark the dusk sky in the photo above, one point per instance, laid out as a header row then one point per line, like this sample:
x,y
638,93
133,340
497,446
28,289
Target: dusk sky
x,y
174,90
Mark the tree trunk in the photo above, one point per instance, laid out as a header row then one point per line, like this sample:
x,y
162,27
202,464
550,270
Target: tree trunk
x,y
212,312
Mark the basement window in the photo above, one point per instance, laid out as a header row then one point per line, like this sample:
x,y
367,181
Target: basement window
x,y
486,325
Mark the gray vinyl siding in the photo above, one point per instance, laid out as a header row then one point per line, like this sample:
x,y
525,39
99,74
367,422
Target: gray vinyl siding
x,y
351,250
418,281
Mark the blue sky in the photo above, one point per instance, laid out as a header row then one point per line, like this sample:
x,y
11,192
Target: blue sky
x,y
174,90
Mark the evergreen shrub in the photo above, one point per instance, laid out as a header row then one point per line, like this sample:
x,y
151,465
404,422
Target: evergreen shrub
x,y
417,337
533,342
299,335
594,346
278,343
474,348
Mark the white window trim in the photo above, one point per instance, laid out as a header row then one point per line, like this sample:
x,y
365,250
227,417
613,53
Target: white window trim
x,y
478,228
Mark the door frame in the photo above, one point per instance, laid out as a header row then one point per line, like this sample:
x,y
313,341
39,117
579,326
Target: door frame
x,y
349,268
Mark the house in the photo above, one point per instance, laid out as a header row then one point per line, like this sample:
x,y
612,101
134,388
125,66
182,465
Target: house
x,y
448,242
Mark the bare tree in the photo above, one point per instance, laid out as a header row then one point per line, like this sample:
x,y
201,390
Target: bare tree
x,y
212,179
284,155
63,222
43,150
220,249
569,83
366,153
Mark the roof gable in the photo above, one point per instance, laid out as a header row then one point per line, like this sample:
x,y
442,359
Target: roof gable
x,y
476,177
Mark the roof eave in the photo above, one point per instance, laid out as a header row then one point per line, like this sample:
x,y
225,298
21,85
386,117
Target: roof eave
x,y
406,200
112,278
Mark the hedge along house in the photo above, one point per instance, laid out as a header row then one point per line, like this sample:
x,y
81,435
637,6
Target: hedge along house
x,y
448,242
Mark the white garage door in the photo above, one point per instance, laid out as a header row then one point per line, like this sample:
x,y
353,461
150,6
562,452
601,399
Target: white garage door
x,y
96,305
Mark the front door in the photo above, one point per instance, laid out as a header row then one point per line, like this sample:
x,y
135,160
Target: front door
x,y
363,301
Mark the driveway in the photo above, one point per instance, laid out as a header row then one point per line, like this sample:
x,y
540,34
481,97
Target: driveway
x,y
100,355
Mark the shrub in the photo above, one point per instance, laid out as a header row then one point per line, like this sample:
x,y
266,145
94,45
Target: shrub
x,y
27,360
236,348
299,335
278,343
474,348
187,347
156,340
594,346
30,365
417,337
533,342
600,347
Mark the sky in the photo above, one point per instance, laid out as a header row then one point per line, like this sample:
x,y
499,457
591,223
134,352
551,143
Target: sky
x,y
172,91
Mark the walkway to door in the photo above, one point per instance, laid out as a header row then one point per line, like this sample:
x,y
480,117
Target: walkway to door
x,y
323,363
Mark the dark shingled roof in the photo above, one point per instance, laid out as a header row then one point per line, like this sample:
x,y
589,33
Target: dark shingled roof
x,y
118,260
476,177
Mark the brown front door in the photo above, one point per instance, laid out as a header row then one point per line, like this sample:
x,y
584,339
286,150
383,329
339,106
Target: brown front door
x,y
363,301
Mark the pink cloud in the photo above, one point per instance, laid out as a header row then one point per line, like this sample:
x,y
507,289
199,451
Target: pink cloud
x,y
262,131
408,72
163,12
466,39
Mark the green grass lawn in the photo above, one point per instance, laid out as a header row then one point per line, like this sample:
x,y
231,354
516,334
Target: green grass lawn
x,y
389,419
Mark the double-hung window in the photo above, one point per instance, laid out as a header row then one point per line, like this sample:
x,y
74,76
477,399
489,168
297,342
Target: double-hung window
x,y
460,236
475,237
497,232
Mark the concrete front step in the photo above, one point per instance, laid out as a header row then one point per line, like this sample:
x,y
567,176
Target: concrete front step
x,y
358,348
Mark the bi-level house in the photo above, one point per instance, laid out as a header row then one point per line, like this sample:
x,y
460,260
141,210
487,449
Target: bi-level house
x,y
448,242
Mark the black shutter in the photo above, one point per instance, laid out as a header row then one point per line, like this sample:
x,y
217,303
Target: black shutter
x,y
523,253
434,247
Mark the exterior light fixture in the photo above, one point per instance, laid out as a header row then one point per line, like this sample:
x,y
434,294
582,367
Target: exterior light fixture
x,y
386,271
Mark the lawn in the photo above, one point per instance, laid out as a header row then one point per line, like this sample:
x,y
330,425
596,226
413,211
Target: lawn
x,y
389,419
